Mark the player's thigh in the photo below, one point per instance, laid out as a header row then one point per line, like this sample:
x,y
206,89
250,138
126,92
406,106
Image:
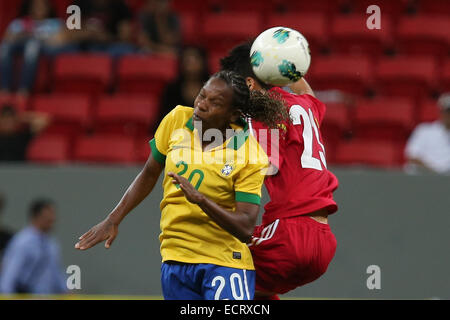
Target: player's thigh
x,y
176,282
223,283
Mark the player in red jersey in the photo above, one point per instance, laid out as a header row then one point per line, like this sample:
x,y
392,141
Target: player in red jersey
x,y
294,244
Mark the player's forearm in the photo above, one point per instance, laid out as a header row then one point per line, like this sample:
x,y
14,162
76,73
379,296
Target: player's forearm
x,y
302,87
236,223
139,189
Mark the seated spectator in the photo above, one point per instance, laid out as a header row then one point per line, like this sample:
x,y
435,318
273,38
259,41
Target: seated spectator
x,y
5,234
159,27
16,132
37,31
32,259
192,74
106,27
429,145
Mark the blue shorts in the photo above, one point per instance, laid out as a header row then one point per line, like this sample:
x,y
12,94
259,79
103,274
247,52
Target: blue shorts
x,y
186,281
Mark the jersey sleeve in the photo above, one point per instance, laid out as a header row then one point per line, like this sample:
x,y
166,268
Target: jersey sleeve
x,y
160,142
249,181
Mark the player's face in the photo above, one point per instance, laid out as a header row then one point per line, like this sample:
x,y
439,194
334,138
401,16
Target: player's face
x,y
213,105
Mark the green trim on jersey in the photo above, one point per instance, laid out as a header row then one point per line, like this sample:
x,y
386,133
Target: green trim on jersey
x,y
247,197
158,156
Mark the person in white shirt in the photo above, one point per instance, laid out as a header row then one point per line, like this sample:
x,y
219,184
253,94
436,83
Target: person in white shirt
x,y
429,145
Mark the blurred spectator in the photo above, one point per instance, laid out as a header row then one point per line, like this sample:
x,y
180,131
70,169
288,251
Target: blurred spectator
x,y
159,27
5,234
106,27
192,74
37,31
16,132
429,145
31,263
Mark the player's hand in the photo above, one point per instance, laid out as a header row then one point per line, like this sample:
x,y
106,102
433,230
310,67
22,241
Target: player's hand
x,y
105,230
191,194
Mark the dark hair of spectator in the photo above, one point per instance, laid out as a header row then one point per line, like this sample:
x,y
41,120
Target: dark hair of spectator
x,y
7,110
38,205
203,55
25,9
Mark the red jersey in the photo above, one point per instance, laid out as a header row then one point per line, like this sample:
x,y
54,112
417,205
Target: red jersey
x,y
303,184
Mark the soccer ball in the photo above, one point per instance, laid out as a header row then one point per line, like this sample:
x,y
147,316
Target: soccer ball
x,y
280,56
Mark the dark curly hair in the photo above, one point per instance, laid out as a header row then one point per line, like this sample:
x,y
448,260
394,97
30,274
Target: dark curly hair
x,y
265,107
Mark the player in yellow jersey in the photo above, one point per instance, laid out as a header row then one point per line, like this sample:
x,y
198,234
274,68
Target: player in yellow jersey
x,y
213,173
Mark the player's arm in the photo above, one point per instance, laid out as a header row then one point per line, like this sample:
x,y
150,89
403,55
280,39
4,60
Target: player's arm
x,y
301,87
240,223
138,190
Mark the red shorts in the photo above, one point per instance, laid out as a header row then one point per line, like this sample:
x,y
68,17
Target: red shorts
x,y
291,252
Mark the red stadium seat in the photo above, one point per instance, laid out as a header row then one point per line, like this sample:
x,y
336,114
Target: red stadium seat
x,y
49,149
307,6
336,122
445,76
146,73
351,74
82,73
214,60
19,103
429,111
126,114
434,6
70,113
242,6
182,6
369,153
384,119
223,31
142,148
189,28
424,34
393,8
312,25
105,149
406,76
350,35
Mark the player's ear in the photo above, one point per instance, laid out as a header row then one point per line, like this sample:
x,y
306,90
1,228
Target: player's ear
x,y
250,83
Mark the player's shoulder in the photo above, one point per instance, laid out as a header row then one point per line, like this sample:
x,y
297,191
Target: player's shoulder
x,y
179,116
429,128
182,111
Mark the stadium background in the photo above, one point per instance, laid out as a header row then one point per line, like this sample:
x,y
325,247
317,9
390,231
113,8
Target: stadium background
x,y
388,82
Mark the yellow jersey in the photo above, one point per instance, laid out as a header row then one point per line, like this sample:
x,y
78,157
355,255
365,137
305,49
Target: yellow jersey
x,y
228,173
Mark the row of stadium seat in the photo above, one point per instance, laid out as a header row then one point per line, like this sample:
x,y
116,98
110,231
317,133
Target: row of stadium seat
x,y
96,74
395,7
383,123
122,150
385,118
101,148
424,34
381,119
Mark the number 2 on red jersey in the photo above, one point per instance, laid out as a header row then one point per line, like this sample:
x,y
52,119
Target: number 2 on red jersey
x,y
300,116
